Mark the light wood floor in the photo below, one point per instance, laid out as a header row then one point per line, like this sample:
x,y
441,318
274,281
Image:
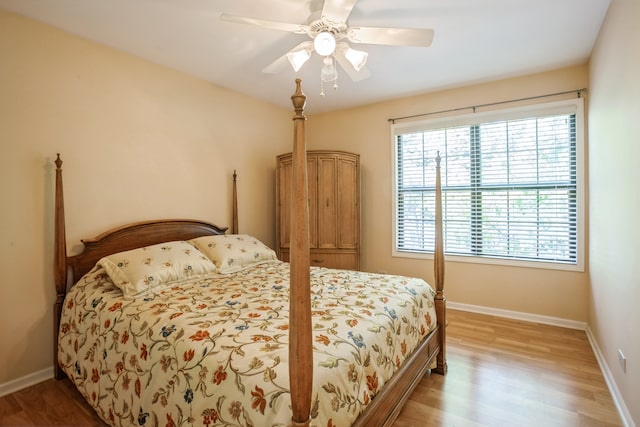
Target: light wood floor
x,y
501,373
505,372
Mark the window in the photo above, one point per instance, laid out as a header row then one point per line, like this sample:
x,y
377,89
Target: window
x,y
511,185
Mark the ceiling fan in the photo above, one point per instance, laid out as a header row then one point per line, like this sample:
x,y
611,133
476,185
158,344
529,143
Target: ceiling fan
x,y
329,32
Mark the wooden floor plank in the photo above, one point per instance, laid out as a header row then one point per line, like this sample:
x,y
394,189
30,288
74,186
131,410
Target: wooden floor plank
x,y
505,372
502,372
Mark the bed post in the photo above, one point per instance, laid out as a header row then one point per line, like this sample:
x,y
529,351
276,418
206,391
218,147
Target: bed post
x,y
59,263
234,220
438,266
300,341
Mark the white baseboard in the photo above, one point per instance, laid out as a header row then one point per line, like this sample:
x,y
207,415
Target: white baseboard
x,y
566,323
518,315
611,383
26,381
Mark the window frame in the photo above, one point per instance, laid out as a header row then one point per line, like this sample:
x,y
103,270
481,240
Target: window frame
x,y
569,106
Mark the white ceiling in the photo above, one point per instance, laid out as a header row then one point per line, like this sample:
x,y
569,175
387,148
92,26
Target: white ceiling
x,y
475,41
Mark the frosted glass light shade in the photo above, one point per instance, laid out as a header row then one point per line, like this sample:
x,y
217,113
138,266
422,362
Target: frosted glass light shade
x,y
324,43
357,58
328,73
298,58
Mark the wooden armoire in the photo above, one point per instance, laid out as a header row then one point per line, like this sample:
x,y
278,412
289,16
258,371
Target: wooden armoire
x,y
334,208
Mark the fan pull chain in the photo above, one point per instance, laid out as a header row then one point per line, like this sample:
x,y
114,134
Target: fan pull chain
x,y
335,86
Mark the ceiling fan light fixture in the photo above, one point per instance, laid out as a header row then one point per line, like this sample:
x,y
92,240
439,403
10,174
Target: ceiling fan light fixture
x,y
328,31
324,43
298,58
357,58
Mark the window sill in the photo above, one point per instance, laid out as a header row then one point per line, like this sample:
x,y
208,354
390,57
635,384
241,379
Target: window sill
x,y
578,267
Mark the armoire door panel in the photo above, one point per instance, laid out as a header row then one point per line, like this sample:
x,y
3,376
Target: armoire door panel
x,y
327,206
348,204
284,179
284,182
312,183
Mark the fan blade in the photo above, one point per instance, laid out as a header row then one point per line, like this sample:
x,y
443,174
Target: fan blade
x,y
356,76
281,63
390,36
265,23
337,12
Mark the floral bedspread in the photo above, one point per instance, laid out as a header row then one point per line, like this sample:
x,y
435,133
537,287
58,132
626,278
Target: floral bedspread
x,y
213,351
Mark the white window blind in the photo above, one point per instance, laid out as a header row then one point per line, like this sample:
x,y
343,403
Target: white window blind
x,y
510,182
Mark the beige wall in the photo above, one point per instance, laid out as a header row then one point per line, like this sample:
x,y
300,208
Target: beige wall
x,y
139,141
367,131
614,126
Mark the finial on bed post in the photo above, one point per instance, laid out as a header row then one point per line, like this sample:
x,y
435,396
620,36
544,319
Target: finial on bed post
x,y
234,220
300,339
299,100
438,266
59,261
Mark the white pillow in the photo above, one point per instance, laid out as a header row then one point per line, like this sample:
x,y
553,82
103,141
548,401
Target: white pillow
x,y
140,270
233,252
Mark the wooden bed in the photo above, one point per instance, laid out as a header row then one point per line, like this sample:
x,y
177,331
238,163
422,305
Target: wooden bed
x,y
385,407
